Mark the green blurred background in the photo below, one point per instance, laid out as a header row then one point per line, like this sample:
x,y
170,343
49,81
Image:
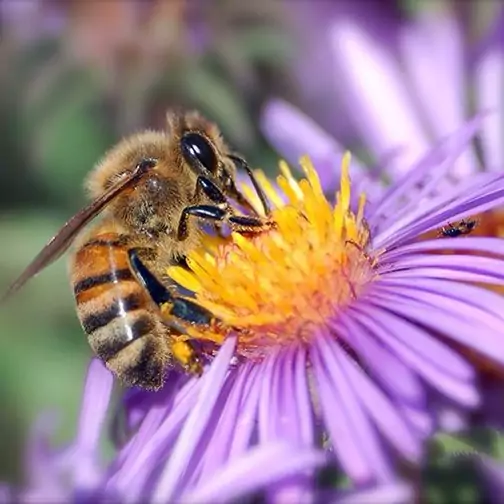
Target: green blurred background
x,y
75,76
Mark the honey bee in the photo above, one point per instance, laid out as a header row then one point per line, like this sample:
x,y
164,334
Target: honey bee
x,y
151,190
464,227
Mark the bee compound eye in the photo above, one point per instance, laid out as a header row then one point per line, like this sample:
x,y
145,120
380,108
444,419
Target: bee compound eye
x,y
196,148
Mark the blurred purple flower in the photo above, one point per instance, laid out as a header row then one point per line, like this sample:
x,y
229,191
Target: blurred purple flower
x,y
400,84
29,19
311,23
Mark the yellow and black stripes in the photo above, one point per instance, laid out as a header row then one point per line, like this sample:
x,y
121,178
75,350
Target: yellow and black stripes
x,y
102,279
118,308
114,309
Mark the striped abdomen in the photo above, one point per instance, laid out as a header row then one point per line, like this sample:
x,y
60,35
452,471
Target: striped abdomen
x,y
117,314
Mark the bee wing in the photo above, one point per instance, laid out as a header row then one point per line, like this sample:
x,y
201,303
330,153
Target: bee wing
x,y
60,243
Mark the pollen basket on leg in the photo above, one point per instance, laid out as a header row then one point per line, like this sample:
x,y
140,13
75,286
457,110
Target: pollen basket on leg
x,y
277,286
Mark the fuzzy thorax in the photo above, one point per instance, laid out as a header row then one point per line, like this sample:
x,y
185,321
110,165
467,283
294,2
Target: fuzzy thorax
x,y
280,286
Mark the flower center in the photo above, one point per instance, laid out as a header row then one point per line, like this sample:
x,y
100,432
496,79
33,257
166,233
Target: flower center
x,y
277,287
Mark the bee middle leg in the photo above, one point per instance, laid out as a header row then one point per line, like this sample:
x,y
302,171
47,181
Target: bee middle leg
x,y
219,212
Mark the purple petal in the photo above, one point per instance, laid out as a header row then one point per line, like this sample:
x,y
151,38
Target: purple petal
x,y
474,308
447,274
312,54
143,455
223,434
195,423
137,402
93,412
449,418
301,393
433,211
386,368
493,476
353,437
450,326
428,357
95,402
487,244
433,45
268,401
6,496
481,304
203,450
411,339
381,409
41,460
462,267
397,378
156,407
420,420
438,211
278,411
377,98
247,474
280,119
56,495
438,186
288,424
441,157
246,424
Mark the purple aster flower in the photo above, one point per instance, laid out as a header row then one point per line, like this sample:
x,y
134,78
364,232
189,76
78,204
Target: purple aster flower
x,y
344,324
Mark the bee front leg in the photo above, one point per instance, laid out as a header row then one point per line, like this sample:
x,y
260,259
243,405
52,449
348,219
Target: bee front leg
x,y
220,212
240,223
